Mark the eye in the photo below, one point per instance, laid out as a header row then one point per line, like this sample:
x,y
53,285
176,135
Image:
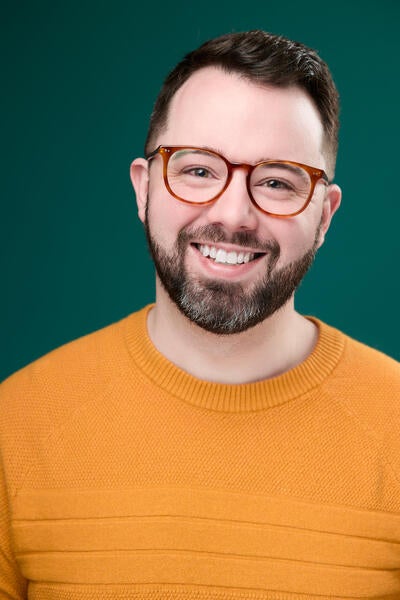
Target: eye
x,y
198,172
275,184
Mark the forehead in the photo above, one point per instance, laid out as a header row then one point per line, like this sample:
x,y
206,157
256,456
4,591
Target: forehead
x,y
244,121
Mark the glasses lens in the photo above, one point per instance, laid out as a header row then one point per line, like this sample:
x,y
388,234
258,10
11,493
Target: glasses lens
x,y
196,175
280,188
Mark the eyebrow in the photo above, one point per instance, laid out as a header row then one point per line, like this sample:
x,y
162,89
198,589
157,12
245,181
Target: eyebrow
x,y
283,165
222,153
196,151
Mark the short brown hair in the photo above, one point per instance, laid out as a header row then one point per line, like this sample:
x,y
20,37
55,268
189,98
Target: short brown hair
x,y
262,58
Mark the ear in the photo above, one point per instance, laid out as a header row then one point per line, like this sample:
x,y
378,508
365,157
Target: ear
x,y
331,203
140,180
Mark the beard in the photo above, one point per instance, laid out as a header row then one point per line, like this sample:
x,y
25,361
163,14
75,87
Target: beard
x,y
225,307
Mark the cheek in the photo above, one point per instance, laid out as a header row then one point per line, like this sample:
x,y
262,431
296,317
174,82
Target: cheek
x,y
295,237
167,216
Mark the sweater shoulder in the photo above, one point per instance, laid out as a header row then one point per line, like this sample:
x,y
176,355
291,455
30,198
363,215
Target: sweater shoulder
x,y
369,368
65,377
366,379
41,401
74,356
366,383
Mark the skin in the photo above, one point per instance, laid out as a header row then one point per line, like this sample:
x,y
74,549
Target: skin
x,y
246,123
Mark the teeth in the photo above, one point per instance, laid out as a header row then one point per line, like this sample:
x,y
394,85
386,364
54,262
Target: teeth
x,y
221,256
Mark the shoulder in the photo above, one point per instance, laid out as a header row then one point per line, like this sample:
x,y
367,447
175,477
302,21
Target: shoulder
x,y
368,368
77,370
357,369
41,401
65,362
366,384
363,375
369,382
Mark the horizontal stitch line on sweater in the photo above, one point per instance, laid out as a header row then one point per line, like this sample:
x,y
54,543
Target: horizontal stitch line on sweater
x,y
245,592
201,553
25,523
214,491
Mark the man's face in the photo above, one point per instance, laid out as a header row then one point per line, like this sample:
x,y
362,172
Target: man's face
x,y
267,256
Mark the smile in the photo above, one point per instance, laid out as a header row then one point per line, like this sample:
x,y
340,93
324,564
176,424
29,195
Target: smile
x,y
231,257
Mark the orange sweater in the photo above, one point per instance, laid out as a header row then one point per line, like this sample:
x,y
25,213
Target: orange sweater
x,y
124,477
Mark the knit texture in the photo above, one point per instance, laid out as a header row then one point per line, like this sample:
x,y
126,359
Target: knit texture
x,y
123,477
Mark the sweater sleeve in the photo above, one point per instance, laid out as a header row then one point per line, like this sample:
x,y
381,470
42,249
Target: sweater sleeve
x,y
12,584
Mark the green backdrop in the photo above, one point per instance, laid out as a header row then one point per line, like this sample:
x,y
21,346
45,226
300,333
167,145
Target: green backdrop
x,y
79,80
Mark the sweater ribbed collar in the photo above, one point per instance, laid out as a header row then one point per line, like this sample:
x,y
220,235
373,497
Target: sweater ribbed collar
x,y
244,397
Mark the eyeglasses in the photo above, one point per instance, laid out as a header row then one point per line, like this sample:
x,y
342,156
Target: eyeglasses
x,y
280,188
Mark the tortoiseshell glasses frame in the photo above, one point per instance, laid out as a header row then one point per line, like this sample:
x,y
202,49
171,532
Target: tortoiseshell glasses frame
x,y
315,175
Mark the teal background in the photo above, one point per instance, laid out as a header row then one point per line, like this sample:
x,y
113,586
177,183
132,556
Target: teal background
x,y
78,83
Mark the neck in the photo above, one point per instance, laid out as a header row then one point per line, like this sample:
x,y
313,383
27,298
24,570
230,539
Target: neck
x,y
270,348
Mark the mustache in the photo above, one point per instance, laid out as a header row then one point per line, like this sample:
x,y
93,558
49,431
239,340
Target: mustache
x,y
213,233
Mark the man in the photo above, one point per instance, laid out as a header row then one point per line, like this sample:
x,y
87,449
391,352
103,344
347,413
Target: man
x,y
217,444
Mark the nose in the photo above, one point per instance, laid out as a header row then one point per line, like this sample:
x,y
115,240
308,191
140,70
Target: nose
x,y
234,210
